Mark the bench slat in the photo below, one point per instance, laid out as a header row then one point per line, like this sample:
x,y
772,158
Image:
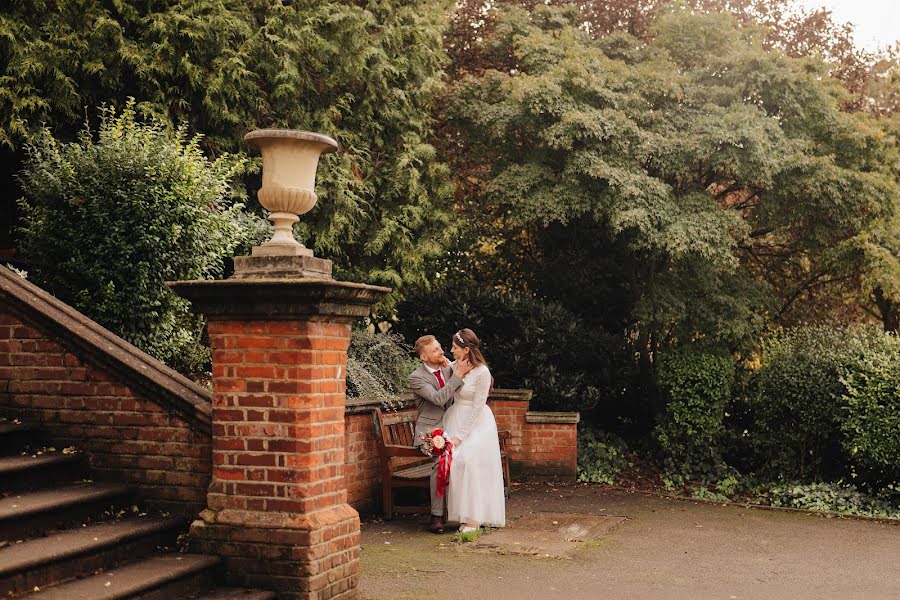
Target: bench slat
x,y
396,417
409,434
418,472
396,437
399,434
402,433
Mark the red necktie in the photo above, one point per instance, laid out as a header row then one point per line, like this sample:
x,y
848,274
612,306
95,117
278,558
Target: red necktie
x,y
439,378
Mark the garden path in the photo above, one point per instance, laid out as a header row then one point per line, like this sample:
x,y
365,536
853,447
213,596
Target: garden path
x,y
667,549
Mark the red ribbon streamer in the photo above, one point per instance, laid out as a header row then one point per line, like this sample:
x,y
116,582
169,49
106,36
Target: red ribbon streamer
x,y
443,476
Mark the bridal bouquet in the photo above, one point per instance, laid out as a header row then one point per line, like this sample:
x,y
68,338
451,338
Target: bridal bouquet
x,y
436,445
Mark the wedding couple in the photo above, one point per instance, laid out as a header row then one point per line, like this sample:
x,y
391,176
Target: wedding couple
x,y
453,397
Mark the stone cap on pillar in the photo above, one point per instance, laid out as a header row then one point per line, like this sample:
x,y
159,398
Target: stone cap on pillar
x,y
261,266
280,299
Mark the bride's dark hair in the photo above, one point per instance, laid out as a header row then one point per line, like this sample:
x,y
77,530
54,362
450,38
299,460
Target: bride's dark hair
x,y
466,338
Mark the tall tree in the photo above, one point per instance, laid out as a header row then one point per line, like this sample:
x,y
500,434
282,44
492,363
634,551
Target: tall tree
x,y
872,259
363,73
808,285
784,24
694,156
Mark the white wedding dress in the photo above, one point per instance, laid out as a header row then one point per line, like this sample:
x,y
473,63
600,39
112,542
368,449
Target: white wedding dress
x,y
475,493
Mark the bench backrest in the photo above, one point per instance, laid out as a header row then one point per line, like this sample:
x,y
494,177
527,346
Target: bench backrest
x,y
396,428
399,429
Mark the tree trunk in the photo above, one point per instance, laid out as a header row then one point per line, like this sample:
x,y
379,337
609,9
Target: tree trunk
x,y
890,311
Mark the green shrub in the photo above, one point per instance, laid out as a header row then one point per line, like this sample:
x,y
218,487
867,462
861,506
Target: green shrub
x,y
871,425
830,497
601,456
806,422
378,366
696,386
721,490
107,221
704,493
529,343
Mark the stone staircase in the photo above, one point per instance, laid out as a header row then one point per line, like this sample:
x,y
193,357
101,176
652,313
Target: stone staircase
x,y
65,537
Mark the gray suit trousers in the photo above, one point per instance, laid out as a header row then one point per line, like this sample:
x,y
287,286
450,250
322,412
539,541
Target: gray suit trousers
x,y
437,504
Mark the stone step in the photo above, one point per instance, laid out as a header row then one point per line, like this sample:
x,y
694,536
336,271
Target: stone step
x,y
65,555
16,436
166,577
237,594
33,513
36,471
11,427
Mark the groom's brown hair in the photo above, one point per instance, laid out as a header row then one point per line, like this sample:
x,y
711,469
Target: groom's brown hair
x,y
422,342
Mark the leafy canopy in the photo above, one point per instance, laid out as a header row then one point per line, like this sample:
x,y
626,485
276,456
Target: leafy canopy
x,y
699,155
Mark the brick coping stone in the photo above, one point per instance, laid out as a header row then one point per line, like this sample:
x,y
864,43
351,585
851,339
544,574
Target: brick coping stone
x,y
306,298
135,367
552,417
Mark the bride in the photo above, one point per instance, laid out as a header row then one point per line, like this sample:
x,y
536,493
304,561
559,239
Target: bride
x,y
475,493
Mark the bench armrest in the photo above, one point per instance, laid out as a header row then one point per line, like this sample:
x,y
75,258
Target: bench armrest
x,y
391,450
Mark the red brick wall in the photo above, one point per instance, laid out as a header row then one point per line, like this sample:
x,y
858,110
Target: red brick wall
x,y
510,415
278,414
537,449
128,437
362,470
278,458
546,451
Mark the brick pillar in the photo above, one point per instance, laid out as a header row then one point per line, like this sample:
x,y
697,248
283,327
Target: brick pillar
x,y
277,505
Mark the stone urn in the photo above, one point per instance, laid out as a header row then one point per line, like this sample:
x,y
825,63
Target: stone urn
x,y
290,158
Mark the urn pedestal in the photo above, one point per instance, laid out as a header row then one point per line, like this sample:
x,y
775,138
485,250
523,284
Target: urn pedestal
x,y
290,159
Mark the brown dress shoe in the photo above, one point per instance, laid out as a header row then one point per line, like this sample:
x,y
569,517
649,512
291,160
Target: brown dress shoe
x,y
437,524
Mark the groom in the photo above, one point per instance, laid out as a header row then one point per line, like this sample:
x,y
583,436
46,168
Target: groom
x,y
433,385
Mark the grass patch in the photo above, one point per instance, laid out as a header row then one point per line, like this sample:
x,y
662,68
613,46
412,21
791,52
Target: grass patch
x,y
468,536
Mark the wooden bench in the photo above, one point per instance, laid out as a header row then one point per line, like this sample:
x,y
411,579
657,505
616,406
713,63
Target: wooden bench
x,y
396,439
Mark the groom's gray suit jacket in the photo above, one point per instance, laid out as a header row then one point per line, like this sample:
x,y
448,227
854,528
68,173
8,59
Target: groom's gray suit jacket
x,y
431,399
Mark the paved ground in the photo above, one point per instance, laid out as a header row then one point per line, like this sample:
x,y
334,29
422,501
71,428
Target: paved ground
x,y
665,549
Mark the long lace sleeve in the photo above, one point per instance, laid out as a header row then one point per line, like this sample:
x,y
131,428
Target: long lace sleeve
x,y
482,388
